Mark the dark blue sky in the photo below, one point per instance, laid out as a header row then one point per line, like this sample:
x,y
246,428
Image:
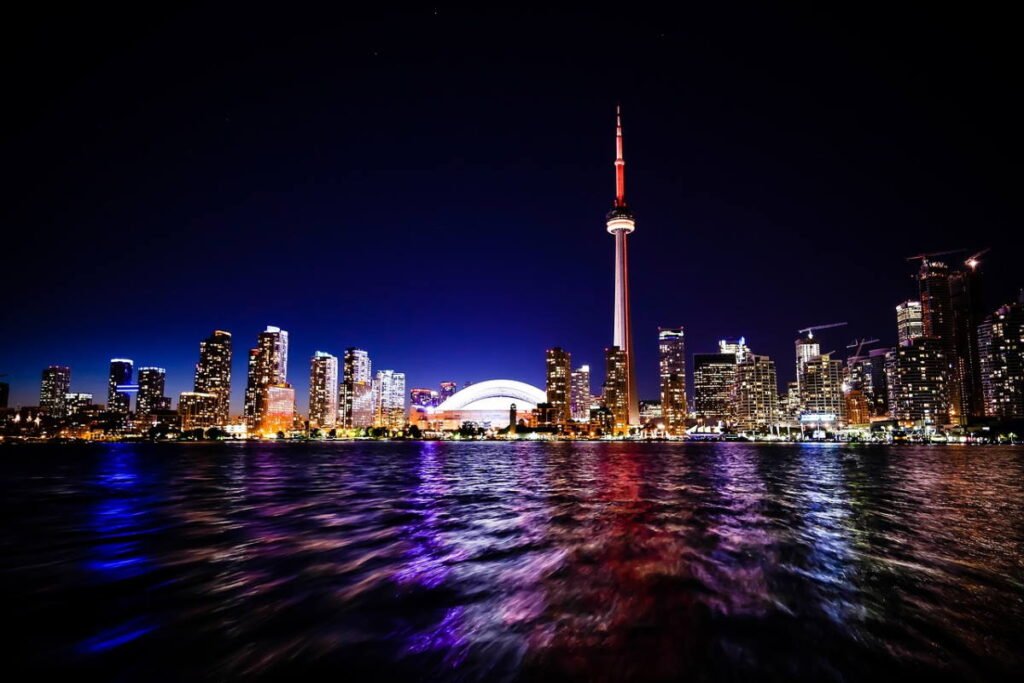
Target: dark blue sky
x,y
432,186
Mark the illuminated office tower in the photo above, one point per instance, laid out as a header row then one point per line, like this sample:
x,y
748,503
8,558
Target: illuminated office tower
x,y
917,377
278,414
323,390
714,387
558,373
938,318
737,347
580,399
616,387
120,376
198,410
53,390
213,372
757,393
821,388
909,323
389,399
355,396
620,223
150,398
268,366
1001,355
422,397
672,378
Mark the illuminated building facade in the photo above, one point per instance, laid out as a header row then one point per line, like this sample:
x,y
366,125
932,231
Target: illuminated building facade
x,y
198,410
355,399
423,398
938,323
1001,355
389,399
714,387
558,374
672,378
968,313
53,390
821,388
858,408
120,375
580,399
917,377
909,322
278,414
489,405
213,372
76,403
323,390
651,412
737,347
806,349
620,223
268,366
150,398
616,387
757,393
448,390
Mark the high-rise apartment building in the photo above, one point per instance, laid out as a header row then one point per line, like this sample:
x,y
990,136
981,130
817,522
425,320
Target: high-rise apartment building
x,y
1001,361
821,389
672,378
355,398
213,373
616,387
268,367
389,399
714,387
757,393
939,323
150,398
558,373
323,390
909,322
53,390
199,410
917,379
580,399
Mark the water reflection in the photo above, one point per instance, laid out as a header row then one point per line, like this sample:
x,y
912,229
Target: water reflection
x,y
449,561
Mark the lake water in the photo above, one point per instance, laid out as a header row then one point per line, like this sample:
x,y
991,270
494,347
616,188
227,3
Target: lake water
x,y
513,561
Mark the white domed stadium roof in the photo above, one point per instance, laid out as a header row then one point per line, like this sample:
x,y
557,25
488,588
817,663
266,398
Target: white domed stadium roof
x,y
494,394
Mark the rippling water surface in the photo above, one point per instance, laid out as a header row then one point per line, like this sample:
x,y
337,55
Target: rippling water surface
x,y
476,561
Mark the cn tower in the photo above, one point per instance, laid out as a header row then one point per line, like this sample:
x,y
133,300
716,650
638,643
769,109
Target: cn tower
x,y
621,224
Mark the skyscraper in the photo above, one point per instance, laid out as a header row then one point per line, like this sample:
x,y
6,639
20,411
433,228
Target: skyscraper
x,y
616,387
152,382
355,398
213,373
53,390
757,393
909,322
1001,355
714,387
821,388
917,378
806,349
672,377
968,313
737,347
558,371
579,394
389,399
278,409
323,390
268,366
120,376
198,410
935,281
621,225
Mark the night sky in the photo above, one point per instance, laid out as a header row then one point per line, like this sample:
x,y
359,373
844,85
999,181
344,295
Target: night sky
x,y
431,185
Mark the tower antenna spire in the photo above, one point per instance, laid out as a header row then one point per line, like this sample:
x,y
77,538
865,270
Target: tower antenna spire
x,y
620,162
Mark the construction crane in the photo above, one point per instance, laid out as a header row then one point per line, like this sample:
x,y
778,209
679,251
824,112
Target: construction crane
x,y
859,344
810,330
972,262
928,255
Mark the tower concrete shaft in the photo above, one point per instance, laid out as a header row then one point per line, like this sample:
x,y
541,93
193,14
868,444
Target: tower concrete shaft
x,y
621,225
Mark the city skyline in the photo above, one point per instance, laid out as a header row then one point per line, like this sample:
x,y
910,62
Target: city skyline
x,y
736,201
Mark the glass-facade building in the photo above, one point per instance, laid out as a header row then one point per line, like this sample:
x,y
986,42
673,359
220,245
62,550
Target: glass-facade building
x,y
213,372
323,390
672,378
558,374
